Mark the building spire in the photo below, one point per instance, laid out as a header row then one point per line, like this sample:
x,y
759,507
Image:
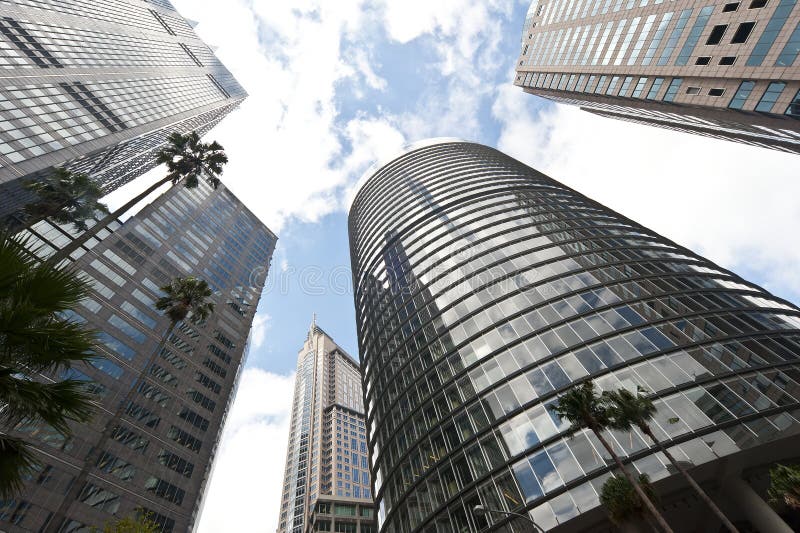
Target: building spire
x,y
313,321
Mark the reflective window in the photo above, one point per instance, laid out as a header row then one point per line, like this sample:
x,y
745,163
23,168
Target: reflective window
x,y
770,96
651,95
672,89
770,33
794,107
742,94
789,53
672,42
694,35
637,91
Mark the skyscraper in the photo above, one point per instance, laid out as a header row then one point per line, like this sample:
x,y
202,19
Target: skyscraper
x,y
510,289
726,70
97,86
160,452
326,480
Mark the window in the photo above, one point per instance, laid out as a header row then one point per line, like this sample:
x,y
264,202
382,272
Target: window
x,y
126,328
341,509
727,60
794,107
165,490
742,32
772,93
703,60
693,90
655,88
716,92
742,94
790,51
612,85
672,90
770,33
625,85
733,6
716,34
757,4
99,498
637,91
600,84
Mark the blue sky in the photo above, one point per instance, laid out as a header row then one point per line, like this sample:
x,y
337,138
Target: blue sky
x,y
335,86
308,250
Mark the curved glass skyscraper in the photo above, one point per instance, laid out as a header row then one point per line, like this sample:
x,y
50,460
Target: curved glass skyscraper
x,y
485,289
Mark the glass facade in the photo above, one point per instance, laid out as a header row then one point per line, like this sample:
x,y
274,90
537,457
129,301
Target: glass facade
x,y
326,458
700,52
485,289
160,453
129,73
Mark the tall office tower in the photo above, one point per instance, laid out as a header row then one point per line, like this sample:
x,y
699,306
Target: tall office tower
x,y
159,456
486,289
727,70
97,86
326,481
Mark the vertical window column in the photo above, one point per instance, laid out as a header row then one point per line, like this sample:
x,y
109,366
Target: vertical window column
x,y
771,32
694,35
790,51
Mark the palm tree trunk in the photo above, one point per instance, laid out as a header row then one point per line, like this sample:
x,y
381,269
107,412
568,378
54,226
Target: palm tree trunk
x,y
700,492
105,221
96,451
649,504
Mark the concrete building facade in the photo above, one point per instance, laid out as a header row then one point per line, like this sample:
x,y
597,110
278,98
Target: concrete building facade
x,y
326,458
97,87
485,289
159,457
727,70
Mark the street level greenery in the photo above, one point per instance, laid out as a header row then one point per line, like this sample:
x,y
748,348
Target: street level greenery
x,y
785,485
584,408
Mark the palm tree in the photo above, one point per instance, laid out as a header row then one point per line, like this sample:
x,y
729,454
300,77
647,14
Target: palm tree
x,y
36,337
785,485
64,196
182,297
626,410
187,159
583,408
621,501
130,524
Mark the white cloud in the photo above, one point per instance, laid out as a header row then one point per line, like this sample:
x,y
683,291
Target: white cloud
x,y
261,323
283,143
245,487
289,148
733,203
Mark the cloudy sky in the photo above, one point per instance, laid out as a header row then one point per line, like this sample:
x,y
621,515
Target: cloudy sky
x,y
335,85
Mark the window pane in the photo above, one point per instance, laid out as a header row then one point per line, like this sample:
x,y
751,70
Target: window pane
x,y
742,94
771,95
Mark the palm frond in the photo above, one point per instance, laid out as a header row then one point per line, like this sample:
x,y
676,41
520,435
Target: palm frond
x,y
16,461
188,159
582,407
66,197
55,404
626,409
185,296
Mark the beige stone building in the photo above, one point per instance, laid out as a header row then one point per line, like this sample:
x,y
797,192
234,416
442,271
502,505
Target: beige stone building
x,y
727,70
327,453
